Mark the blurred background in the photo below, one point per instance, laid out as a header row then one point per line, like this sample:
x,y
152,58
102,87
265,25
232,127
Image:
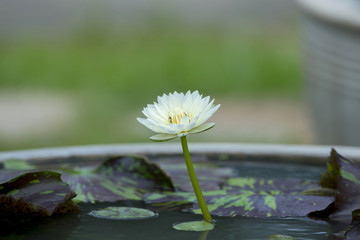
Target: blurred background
x,y
77,72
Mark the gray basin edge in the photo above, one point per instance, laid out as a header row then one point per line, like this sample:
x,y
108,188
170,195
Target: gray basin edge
x,y
305,152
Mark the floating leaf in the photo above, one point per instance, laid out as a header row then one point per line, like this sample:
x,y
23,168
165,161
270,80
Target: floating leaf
x,y
123,213
194,226
329,177
274,186
119,178
348,186
210,176
343,175
250,201
37,193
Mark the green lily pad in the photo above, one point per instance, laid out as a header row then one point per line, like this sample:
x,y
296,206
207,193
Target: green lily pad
x,y
123,213
37,193
194,226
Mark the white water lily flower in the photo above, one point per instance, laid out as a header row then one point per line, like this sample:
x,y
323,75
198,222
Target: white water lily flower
x,y
178,114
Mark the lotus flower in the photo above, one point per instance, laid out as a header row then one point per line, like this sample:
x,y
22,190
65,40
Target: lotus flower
x,y
178,114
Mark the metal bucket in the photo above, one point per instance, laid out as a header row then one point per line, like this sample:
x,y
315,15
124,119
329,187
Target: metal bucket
x,y
331,38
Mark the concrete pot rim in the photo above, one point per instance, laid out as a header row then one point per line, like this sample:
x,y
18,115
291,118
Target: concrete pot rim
x,y
298,153
346,12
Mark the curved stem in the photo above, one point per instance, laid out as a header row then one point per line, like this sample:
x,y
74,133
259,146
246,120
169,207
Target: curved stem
x,y
194,181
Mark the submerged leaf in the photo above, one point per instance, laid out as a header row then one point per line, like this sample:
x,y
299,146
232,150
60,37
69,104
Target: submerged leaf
x,y
119,178
17,164
280,237
329,192
194,226
37,193
123,213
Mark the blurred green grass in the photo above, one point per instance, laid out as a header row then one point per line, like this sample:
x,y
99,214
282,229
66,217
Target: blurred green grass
x,y
113,76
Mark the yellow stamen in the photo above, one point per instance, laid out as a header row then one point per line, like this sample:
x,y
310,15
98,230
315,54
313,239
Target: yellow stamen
x,y
176,116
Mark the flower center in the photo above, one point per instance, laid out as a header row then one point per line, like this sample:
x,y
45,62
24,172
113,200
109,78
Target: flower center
x,y
176,116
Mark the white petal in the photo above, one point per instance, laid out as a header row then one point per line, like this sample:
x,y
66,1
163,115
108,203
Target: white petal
x,y
182,134
184,120
152,113
197,108
150,125
205,116
190,126
202,128
163,137
169,129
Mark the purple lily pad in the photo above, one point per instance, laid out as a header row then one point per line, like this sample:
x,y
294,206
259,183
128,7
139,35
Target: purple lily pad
x,y
119,178
253,197
347,185
354,231
37,193
210,176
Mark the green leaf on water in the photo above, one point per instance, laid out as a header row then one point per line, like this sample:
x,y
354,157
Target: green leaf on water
x,y
123,213
194,226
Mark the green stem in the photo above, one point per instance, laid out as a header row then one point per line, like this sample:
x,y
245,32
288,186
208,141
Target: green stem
x,y
194,181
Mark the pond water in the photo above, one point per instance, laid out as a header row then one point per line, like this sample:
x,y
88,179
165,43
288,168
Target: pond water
x,y
84,226
226,227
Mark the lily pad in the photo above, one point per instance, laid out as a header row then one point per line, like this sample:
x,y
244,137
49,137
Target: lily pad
x,y
329,177
348,186
344,174
123,213
118,178
210,176
194,226
37,193
354,230
254,200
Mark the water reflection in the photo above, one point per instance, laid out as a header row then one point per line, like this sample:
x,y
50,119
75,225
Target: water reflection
x,y
23,227
203,235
